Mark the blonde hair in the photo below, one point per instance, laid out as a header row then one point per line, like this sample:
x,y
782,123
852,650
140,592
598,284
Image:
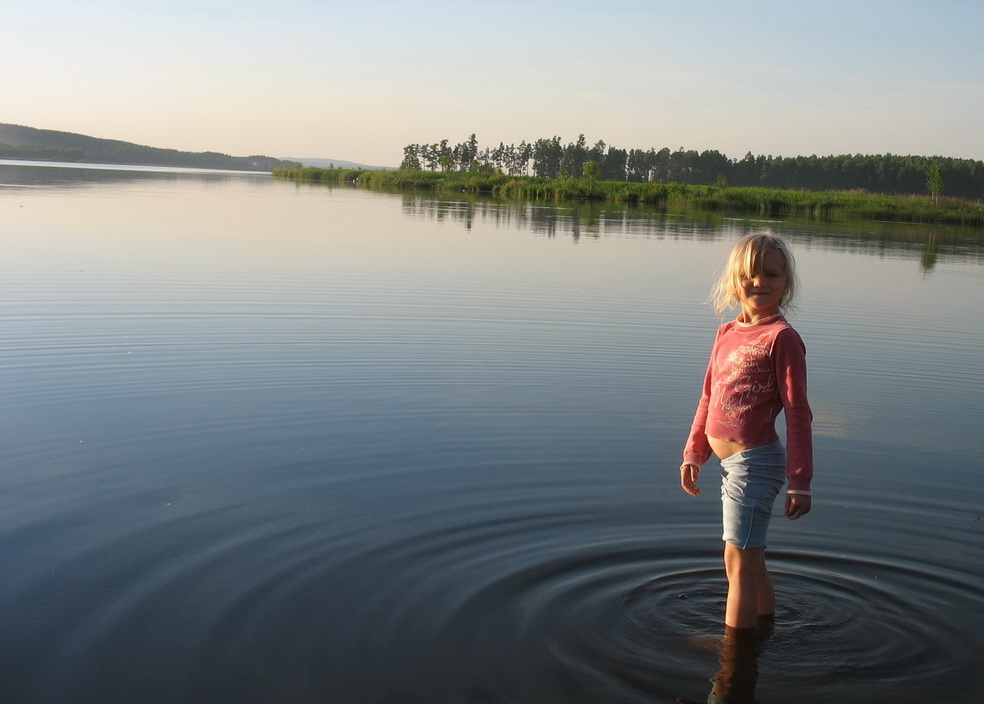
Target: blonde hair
x,y
746,258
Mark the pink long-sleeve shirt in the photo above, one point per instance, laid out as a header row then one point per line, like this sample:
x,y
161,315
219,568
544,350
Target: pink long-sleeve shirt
x,y
756,371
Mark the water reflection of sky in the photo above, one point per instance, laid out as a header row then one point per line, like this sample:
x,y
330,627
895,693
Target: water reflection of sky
x,y
286,439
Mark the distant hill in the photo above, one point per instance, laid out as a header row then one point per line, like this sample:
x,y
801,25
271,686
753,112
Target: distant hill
x,y
336,163
18,142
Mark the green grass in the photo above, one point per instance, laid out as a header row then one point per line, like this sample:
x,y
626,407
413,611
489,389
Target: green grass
x,y
818,205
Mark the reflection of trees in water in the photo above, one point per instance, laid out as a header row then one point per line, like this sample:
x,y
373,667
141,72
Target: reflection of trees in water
x,y
576,220
928,244
541,220
930,253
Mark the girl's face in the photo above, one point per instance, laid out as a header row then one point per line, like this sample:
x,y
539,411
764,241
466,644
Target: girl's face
x,y
760,292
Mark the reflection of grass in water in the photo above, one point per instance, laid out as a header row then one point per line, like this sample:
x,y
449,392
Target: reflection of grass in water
x,y
819,205
929,254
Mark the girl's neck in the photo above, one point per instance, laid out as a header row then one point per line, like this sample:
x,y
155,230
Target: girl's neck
x,y
754,318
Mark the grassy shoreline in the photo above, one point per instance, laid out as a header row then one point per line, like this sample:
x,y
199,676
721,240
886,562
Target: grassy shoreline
x,y
818,205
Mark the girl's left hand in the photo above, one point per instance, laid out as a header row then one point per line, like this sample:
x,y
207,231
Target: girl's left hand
x,y
798,505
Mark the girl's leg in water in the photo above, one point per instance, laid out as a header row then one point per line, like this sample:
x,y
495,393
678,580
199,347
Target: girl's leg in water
x,y
750,591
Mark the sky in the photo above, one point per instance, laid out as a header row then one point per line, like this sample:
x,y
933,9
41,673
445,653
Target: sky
x,y
358,80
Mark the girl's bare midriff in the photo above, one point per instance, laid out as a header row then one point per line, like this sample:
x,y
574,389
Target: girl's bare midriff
x,y
726,448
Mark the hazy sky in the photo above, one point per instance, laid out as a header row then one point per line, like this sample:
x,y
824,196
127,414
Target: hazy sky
x,y
357,80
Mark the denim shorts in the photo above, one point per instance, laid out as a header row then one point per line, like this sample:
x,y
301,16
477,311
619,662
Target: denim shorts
x,y
750,482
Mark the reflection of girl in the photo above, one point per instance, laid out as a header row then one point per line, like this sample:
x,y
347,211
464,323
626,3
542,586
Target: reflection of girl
x,y
735,681
757,369
738,654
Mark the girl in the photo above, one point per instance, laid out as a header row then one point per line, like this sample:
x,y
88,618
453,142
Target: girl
x,y
757,368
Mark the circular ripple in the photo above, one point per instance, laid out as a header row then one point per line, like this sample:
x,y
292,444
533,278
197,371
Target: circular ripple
x,y
530,606
627,620
847,629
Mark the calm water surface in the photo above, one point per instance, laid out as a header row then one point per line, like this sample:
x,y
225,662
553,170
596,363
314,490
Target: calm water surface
x,y
276,444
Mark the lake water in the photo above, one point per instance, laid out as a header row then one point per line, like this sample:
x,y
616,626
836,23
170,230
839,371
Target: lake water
x,y
275,443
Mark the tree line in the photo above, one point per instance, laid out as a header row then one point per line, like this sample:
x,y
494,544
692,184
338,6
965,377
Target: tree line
x,y
552,158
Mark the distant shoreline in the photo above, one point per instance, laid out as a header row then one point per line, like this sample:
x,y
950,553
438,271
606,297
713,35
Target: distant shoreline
x,y
816,205
21,143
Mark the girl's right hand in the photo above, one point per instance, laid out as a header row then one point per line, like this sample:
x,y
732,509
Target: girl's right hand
x,y
688,478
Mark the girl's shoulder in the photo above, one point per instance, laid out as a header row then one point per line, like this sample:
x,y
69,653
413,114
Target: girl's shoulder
x,y
782,325
786,338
